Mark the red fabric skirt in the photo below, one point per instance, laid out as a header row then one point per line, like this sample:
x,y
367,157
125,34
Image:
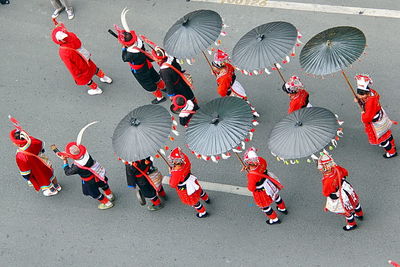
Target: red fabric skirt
x,y
372,138
189,200
261,198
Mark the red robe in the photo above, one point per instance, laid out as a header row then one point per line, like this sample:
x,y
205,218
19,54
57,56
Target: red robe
x,y
331,184
261,198
225,79
82,70
371,108
298,100
179,176
39,173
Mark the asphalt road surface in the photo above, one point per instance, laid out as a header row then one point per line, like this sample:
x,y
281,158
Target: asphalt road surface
x,y
69,230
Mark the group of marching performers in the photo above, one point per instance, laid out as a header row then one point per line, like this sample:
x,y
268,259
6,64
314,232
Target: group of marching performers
x,y
174,83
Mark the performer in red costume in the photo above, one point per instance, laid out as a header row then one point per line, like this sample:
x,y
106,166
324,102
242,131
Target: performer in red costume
x,y
77,59
226,78
187,186
376,122
34,166
297,94
264,185
93,175
340,195
140,61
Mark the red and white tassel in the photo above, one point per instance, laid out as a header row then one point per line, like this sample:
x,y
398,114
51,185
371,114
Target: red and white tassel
x,y
225,156
175,132
267,71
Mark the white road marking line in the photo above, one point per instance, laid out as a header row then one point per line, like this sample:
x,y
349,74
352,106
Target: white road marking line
x,y
226,188
361,11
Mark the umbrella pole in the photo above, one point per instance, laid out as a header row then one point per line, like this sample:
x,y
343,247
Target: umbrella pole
x,y
280,73
352,89
209,64
241,161
166,161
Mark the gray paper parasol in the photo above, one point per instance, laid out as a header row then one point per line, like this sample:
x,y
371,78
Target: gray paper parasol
x,y
332,50
193,33
142,133
265,46
219,126
303,132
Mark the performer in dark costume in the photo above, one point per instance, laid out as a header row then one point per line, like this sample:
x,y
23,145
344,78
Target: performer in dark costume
x,y
186,109
93,174
134,52
138,174
176,83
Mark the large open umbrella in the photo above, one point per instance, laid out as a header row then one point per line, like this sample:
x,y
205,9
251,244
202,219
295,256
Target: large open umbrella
x,y
193,34
143,133
333,50
303,133
266,46
221,125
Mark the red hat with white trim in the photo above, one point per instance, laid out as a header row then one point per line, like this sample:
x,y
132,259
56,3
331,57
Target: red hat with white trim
x,y
176,156
220,57
250,156
292,85
325,161
363,83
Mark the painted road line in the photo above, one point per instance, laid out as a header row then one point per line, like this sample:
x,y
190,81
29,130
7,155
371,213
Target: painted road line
x,y
226,188
348,10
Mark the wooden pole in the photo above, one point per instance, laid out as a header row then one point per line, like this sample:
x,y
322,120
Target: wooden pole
x,y
166,161
352,89
280,73
241,161
209,64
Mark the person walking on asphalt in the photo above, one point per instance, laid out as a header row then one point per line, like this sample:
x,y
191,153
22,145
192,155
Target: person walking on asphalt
x,y
340,195
297,94
376,122
77,59
32,163
60,6
138,174
140,61
93,174
264,185
186,185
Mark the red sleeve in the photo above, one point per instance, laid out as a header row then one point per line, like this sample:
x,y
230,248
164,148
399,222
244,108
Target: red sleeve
x,y
22,163
72,61
299,102
252,179
343,171
371,107
224,83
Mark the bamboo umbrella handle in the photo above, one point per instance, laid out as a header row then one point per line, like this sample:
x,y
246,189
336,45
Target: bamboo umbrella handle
x,y
166,161
241,161
352,89
280,73
209,64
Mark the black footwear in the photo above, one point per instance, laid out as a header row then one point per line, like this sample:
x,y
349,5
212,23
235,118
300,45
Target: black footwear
x,y
202,216
388,156
153,207
208,201
272,222
155,101
349,228
359,217
285,211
